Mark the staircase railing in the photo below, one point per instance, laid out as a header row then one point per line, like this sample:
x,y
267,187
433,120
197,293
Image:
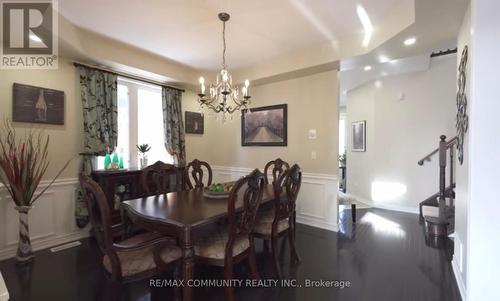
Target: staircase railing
x,y
442,150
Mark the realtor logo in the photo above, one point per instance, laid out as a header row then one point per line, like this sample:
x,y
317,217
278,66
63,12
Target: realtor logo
x,y
27,35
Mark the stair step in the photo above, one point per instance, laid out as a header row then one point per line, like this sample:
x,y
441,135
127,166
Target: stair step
x,y
430,211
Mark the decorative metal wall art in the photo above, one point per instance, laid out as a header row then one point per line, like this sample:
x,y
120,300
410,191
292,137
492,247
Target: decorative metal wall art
x,y
462,124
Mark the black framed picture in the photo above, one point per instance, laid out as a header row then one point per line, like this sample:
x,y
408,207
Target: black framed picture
x,y
194,123
358,134
265,126
37,105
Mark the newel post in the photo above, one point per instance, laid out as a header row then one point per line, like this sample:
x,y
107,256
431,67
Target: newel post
x,y
442,176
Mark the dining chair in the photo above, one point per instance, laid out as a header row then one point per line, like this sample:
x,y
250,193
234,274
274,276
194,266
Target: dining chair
x,y
158,178
135,258
231,244
194,171
278,168
280,221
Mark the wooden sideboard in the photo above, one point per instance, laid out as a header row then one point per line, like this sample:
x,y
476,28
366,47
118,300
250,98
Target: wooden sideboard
x,y
121,185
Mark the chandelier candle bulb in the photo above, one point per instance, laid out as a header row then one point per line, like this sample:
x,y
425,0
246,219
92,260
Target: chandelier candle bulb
x,y
202,85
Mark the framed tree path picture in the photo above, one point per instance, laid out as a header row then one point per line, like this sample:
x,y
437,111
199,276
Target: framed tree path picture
x,y
265,126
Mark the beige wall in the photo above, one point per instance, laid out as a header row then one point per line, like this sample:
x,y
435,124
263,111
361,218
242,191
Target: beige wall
x,y
312,104
65,140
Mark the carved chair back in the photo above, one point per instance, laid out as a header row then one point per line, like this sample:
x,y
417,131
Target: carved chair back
x,y
159,178
277,168
99,213
247,190
286,191
194,171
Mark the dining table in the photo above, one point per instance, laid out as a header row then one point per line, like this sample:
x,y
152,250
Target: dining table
x,y
182,214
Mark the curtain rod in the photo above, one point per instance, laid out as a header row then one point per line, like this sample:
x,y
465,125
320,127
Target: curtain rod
x,y
127,75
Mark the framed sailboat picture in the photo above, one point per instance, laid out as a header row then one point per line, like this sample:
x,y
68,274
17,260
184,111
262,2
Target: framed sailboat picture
x,y
37,105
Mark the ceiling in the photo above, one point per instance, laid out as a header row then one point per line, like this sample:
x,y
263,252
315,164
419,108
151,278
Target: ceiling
x,y
436,27
189,32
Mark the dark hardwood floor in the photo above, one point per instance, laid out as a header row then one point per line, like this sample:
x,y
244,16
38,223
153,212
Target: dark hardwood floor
x,y
384,257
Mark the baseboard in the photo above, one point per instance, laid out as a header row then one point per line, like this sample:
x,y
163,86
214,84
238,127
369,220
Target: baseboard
x,y
398,208
459,279
45,243
386,206
317,223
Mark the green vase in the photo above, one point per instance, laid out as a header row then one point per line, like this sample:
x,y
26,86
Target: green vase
x,y
116,162
107,160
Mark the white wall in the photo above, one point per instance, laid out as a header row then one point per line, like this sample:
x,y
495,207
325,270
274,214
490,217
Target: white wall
x,y
462,174
399,133
483,266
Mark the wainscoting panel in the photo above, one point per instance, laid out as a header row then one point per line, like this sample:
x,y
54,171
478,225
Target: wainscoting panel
x,y
317,202
51,221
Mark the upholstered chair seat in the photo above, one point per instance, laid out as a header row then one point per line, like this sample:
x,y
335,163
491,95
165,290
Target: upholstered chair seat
x,y
214,245
142,260
264,224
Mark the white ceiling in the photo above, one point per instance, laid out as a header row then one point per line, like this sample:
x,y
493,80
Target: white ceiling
x,y
436,28
189,32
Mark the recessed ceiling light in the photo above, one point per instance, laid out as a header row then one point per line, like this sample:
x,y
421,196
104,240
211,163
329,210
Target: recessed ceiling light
x,y
383,59
393,61
368,68
35,38
383,73
410,41
367,24
378,84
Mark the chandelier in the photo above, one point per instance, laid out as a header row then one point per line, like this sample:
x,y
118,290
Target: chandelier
x,y
222,96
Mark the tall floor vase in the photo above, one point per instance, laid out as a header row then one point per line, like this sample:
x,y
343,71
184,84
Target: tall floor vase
x,y
24,250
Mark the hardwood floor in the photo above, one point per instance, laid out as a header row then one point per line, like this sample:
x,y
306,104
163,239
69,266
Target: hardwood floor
x,y
383,256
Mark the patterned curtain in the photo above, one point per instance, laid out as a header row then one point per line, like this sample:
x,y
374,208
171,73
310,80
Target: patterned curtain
x,y
100,123
173,125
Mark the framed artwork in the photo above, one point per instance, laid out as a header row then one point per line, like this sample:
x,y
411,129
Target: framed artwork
x,y
358,134
264,126
37,105
194,123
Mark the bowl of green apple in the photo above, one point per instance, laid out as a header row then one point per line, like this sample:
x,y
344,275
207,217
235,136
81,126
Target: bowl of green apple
x,y
219,190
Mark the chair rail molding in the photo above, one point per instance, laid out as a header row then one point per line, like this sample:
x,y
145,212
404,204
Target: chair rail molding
x,y
51,221
317,201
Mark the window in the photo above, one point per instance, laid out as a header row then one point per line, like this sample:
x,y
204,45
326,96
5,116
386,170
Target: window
x,y
140,121
150,124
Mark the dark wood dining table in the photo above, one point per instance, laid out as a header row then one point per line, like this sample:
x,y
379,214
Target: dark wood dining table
x,y
181,214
